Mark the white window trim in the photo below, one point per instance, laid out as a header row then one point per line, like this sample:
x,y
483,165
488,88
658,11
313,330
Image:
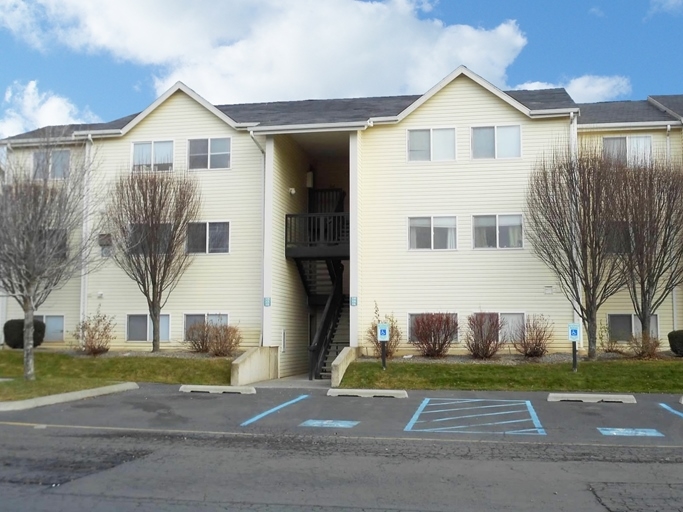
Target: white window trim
x,y
431,145
207,137
495,141
50,174
432,217
205,314
447,311
132,152
523,313
497,247
634,317
206,248
63,325
628,143
149,326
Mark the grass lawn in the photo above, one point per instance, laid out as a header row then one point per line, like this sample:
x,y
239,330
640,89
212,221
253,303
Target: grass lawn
x,y
606,376
60,373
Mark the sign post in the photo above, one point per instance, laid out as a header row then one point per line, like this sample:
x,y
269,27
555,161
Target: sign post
x,y
574,333
383,337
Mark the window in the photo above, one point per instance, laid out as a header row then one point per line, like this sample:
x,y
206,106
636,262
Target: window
x,y
209,153
56,243
208,237
52,165
140,328
433,232
158,153
211,318
435,144
623,327
414,316
510,323
497,231
496,142
147,240
54,326
631,149
618,237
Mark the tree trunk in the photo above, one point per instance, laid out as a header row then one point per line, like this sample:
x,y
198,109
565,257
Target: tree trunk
x,y
155,313
592,328
29,369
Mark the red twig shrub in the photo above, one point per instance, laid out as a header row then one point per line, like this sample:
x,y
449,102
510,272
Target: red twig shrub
x,y
433,333
395,334
644,347
197,337
483,338
224,340
533,337
95,333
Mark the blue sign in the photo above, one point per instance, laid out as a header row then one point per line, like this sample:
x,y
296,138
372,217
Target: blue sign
x,y
382,332
354,301
266,302
574,332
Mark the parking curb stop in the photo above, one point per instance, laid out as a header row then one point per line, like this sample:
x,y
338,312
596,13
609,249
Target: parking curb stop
x,y
592,398
369,393
238,390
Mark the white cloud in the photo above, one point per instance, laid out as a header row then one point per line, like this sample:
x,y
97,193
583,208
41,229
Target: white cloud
x,y
667,6
25,108
588,88
597,12
259,50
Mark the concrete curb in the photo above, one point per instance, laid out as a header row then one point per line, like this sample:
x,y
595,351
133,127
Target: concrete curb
x,y
592,398
242,390
21,405
369,393
6,380
681,400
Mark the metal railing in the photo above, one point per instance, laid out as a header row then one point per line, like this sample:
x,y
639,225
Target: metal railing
x,y
310,229
325,332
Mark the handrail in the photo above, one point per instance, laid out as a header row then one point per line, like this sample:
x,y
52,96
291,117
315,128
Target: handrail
x,y
309,229
323,335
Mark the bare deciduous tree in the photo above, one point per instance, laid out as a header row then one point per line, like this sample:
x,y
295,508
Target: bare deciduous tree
x,y
649,203
569,215
148,217
45,226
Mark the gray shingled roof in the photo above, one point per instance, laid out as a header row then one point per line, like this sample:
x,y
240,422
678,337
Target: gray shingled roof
x,y
673,102
282,113
621,112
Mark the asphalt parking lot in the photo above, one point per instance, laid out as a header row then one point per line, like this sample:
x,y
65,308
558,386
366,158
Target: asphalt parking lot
x,y
655,420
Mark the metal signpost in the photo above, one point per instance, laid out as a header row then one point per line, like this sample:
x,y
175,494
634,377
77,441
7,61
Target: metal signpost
x,y
574,333
383,337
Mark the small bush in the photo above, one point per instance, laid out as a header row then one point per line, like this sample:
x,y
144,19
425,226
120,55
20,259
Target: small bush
x,y
197,338
483,338
676,342
532,338
644,347
95,333
223,340
433,333
13,331
395,334
607,344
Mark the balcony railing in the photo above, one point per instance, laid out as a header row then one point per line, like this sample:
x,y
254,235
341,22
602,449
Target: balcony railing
x,y
317,235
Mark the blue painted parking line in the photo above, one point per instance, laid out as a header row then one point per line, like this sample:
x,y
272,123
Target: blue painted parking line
x,y
271,411
670,409
631,432
329,423
474,416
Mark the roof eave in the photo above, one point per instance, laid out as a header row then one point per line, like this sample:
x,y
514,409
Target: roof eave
x,y
314,127
666,109
553,112
641,125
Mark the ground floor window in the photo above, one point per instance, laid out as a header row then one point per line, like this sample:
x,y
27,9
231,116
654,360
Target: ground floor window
x,y
623,327
509,323
54,326
412,317
200,318
139,328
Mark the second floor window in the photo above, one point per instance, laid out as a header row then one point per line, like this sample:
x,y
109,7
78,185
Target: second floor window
x,y
52,165
433,232
435,144
496,142
497,231
631,149
209,153
153,156
208,237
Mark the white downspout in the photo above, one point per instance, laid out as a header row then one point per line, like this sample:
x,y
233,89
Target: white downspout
x,y
574,149
263,235
668,143
86,228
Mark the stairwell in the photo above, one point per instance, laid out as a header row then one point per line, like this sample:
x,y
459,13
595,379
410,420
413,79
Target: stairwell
x,y
340,340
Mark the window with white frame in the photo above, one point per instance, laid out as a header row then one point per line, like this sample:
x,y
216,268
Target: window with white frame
x,y
52,165
623,327
140,328
433,232
436,144
208,237
510,323
209,153
497,231
54,326
629,149
412,317
202,318
496,142
153,156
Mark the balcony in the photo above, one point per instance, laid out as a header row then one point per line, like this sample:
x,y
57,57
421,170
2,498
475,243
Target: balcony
x,y
317,236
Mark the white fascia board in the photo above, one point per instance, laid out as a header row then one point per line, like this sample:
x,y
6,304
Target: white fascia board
x,y
657,104
178,86
383,120
462,70
644,125
39,142
553,112
97,133
307,128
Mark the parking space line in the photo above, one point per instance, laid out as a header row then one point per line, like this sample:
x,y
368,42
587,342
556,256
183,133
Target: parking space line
x,y
630,432
329,423
672,410
270,411
425,418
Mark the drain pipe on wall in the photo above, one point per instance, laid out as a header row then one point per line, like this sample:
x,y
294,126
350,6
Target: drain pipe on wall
x,y
263,222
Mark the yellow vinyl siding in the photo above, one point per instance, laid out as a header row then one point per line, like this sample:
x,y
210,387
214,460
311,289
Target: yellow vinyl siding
x,y
289,308
465,280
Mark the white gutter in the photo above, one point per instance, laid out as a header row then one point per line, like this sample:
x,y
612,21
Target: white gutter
x,y
86,230
304,128
573,134
645,125
90,133
657,104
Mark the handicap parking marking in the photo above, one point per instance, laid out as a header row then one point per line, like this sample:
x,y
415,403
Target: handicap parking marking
x,y
271,411
672,410
631,432
329,423
473,416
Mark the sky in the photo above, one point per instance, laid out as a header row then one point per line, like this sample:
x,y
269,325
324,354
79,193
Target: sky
x,y
70,61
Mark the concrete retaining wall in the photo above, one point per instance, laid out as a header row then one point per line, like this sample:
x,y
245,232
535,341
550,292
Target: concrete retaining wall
x,y
341,363
255,365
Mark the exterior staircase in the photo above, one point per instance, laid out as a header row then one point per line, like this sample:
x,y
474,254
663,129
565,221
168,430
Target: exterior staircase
x,y
340,339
